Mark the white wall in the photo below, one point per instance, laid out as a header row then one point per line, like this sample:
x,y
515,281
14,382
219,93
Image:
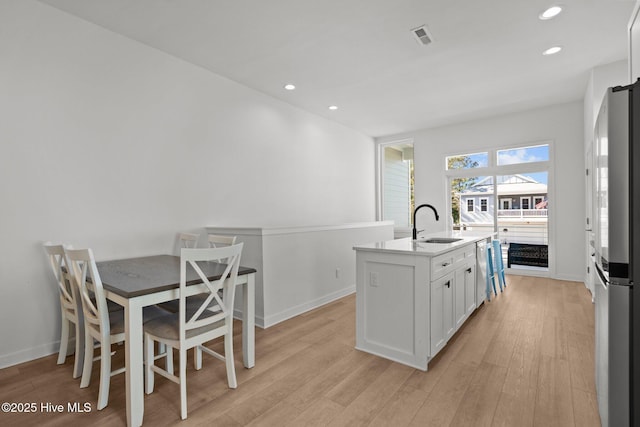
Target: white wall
x,y
600,79
110,144
560,124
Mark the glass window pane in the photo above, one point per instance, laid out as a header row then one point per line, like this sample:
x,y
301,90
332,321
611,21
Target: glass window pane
x,y
523,220
398,184
468,161
466,195
538,153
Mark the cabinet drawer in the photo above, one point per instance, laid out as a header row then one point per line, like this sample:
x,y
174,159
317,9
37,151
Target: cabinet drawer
x,y
441,265
449,261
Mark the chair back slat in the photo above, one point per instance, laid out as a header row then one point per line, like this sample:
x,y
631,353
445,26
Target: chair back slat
x,y
87,279
208,313
219,241
189,240
60,267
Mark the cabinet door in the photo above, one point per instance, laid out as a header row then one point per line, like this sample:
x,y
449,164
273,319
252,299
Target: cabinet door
x,y
442,323
470,288
459,293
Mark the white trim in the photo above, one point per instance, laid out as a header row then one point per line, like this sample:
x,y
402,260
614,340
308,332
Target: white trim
x,y
275,231
505,200
380,172
528,199
29,354
486,205
514,169
276,318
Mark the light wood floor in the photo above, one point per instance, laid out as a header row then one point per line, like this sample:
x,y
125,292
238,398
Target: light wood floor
x,y
524,359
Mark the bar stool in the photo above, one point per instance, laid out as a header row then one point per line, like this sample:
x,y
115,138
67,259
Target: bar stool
x,y
499,264
491,278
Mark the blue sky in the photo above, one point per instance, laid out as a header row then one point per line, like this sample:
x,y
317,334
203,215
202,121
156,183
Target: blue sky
x,y
538,153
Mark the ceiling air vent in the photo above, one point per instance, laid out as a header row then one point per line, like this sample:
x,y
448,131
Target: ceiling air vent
x,y
422,35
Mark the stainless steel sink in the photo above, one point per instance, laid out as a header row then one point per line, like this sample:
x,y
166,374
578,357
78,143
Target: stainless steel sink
x,y
441,240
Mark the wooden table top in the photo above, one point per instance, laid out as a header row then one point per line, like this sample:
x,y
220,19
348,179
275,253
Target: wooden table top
x,y
132,277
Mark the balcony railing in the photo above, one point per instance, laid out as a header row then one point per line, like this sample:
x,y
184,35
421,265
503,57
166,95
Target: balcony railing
x,y
522,213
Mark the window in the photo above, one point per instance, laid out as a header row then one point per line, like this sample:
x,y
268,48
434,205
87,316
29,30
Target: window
x,y
396,182
513,156
504,191
467,161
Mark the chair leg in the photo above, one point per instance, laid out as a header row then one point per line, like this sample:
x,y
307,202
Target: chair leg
x,y
88,359
229,360
149,356
105,373
77,364
169,359
183,383
64,340
197,357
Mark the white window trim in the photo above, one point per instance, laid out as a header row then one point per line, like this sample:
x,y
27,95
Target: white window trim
x,y
486,204
528,200
380,178
472,205
521,168
502,203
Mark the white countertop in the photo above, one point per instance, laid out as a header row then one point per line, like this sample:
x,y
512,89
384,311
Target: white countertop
x,y
419,247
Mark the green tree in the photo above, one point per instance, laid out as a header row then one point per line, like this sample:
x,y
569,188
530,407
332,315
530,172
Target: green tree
x,y
458,185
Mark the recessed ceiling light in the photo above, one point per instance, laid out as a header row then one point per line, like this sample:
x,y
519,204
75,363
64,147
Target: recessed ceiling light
x,y
550,12
552,50
333,107
289,86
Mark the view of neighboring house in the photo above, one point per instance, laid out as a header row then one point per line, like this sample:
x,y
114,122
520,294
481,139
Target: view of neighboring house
x,y
522,216
519,196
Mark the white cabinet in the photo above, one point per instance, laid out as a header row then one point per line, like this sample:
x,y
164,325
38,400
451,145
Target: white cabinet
x,y
470,288
453,294
442,317
411,297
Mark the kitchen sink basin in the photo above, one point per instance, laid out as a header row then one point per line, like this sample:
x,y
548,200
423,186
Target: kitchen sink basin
x,y
441,240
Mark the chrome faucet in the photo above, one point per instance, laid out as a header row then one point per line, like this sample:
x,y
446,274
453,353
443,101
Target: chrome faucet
x,y
415,231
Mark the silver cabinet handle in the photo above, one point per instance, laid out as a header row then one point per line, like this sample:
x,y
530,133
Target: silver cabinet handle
x,y
444,264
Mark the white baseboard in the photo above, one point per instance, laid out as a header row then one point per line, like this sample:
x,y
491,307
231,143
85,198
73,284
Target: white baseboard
x,y
569,278
276,318
27,355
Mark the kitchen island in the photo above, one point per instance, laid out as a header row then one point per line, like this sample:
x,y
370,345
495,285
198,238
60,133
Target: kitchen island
x,y
413,295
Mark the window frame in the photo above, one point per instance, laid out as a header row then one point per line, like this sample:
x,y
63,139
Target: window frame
x,y
495,170
380,181
484,207
470,205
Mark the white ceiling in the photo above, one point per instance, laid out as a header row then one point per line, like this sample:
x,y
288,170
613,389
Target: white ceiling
x,y
361,56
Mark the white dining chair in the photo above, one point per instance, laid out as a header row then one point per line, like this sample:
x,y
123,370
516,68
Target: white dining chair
x,y
69,306
219,241
215,241
192,328
188,240
99,323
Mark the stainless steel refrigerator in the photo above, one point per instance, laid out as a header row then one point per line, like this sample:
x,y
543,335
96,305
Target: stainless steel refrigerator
x,y
617,244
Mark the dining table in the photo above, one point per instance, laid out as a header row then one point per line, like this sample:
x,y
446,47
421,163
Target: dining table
x,y
135,283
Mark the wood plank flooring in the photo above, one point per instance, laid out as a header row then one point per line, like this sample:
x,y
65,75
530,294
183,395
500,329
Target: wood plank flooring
x,y
524,359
